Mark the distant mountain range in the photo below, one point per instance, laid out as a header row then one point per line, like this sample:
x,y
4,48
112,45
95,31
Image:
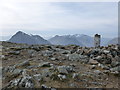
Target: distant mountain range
x,y
114,41
64,40
77,39
21,37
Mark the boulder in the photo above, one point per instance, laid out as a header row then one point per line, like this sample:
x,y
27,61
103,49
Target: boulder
x,y
44,87
8,69
65,69
106,51
53,59
106,61
115,69
16,72
103,66
27,82
75,75
65,52
70,69
38,77
115,63
46,73
14,52
62,77
23,64
92,66
93,62
47,53
98,58
23,82
98,72
44,64
74,57
62,70
78,57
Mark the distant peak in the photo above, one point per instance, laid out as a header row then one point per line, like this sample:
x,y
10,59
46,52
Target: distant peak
x,y
78,35
20,32
56,35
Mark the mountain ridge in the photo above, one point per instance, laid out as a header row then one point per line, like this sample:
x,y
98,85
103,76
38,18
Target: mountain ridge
x,y
21,37
77,39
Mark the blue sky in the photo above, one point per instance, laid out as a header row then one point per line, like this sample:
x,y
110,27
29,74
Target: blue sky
x,y
52,18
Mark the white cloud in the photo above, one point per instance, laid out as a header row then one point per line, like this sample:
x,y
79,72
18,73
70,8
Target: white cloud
x,y
39,16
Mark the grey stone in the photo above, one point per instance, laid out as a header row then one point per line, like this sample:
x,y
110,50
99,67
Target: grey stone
x,y
92,66
70,69
8,69
116,73
103,66
98,72
24,72
30,67
73,85
95,51
106,61
35,47
31,51
93,62
62,69
38,77
115,69
74,57
14,52
25,63
106,71
62,77
17,72
117,58
65,52
2,56
14,83
115,63
47,53
44,64
98,58
43,86
106,51
53,59
25,82
75,75
46,73
78,57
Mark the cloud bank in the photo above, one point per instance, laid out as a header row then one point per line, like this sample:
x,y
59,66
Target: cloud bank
x,y
49,18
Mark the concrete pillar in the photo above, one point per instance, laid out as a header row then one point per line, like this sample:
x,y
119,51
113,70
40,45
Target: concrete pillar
x,y
97,39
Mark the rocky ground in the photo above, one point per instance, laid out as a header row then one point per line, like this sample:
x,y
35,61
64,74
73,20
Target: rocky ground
x,y
49,66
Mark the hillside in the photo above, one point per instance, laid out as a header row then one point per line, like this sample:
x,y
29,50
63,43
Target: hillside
x,y
57,66
21,37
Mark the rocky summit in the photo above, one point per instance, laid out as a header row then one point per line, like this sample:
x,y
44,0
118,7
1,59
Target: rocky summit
x,y
57,66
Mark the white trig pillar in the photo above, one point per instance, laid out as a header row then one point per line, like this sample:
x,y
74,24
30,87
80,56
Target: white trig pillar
x,y
97,39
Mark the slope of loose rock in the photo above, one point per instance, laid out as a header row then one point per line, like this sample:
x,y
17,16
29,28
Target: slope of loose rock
x,y
56,66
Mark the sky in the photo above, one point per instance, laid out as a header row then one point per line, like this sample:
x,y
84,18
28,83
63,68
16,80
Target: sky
x,y
59,18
